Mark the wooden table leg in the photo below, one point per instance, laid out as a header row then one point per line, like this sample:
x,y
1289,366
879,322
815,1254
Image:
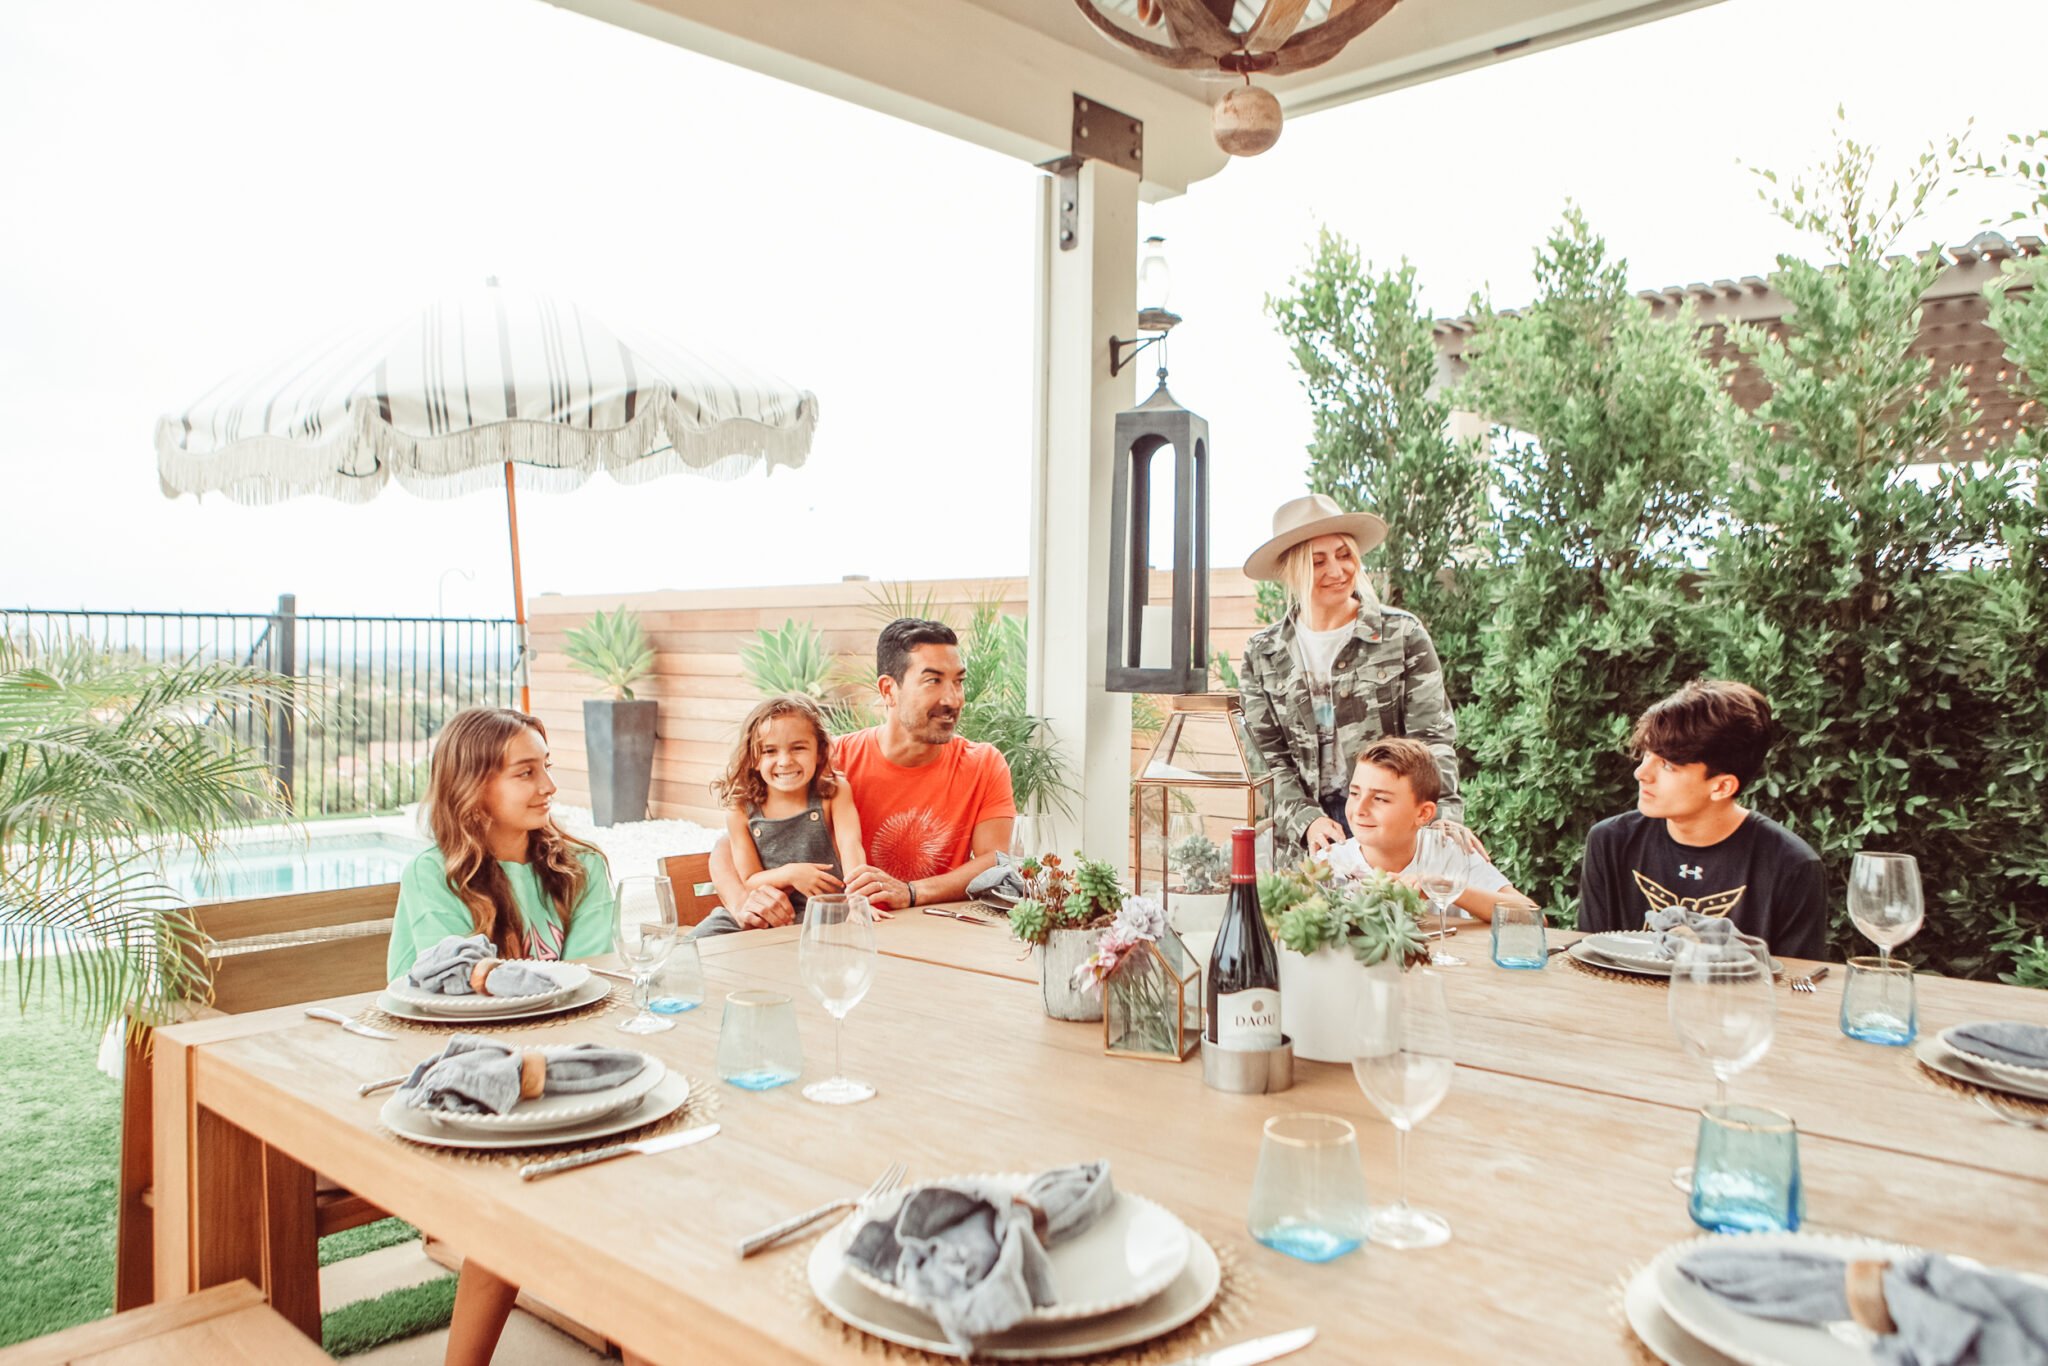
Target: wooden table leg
x,y
291,1242
227,1204
135,1222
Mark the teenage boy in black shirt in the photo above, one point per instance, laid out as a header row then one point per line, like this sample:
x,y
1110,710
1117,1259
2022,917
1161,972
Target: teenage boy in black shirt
x,y
1689,843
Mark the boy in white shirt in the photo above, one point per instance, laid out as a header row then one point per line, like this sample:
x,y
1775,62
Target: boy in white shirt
x,y
1394,789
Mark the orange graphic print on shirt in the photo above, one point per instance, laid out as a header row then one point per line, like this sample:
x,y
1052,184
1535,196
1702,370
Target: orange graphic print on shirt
x,y
919,822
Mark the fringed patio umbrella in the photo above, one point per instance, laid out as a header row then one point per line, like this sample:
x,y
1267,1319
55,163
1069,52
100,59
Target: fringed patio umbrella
x,y
449,400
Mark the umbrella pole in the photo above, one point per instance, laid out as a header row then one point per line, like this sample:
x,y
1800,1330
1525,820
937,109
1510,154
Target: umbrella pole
x,y
518,591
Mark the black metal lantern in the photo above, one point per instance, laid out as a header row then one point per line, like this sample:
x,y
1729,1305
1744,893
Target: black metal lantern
x,y
1156,648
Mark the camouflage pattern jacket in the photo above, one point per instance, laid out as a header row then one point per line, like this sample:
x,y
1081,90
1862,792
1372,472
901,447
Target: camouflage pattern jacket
x,y
1387,680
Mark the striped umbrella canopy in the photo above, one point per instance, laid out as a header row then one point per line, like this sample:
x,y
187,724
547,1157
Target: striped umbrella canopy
x,y
449,399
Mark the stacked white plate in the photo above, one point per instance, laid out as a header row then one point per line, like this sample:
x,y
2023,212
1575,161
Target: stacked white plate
x,y
1136,1273
1683,1325
574,987
1633,951
649,1094
1952,1060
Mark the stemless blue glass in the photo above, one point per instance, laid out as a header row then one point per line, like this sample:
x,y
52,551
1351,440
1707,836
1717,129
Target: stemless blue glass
x,y
758,1047
1878,1004
1308,1199
1518,935
679,982
1745,1172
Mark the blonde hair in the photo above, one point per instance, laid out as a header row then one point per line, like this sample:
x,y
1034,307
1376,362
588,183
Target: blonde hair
x,y
740,785
1298,571
468,753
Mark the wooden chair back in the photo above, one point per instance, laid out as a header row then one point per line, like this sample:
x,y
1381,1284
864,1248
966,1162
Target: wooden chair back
x,y
696,895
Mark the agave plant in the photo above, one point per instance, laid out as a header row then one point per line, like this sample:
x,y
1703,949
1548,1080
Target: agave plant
x,y
105,763
613,650
793,659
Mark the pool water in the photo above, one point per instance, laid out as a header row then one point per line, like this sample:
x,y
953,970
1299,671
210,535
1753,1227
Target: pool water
x,y
319,863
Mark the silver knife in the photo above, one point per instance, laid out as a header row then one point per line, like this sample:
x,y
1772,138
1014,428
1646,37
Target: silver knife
x,y
665,1143
1255,1350
352,1026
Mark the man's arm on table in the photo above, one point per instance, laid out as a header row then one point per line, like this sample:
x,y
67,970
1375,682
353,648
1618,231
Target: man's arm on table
x,y
754,910
990,837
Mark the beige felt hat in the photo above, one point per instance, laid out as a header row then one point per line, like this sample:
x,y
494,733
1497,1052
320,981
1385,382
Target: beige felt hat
x,y
1304,519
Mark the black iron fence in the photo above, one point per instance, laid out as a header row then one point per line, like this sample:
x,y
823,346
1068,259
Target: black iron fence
x,y
376,688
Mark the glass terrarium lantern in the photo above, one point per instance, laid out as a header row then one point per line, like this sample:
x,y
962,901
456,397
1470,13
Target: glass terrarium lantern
x,y
1203,779
1152,1003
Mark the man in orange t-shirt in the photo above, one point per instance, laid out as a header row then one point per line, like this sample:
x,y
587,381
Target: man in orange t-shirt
x,y
934,806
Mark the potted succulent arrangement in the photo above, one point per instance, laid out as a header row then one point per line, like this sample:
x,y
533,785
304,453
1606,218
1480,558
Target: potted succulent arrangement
x,y
1061,916
1333,932
618,731
1151,986
1200,889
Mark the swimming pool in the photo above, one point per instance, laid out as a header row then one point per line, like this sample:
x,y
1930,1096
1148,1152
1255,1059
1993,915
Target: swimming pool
x,y
278,867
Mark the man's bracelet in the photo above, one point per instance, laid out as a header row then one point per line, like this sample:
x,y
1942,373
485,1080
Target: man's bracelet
x,y
910,891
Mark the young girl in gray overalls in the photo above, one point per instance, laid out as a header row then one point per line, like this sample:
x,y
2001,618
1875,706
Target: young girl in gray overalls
x,y
789,819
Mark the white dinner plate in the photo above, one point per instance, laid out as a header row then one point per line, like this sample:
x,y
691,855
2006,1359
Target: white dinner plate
x,y
848,1300
1951,1061
1130,1253
1667,1342
1584,951
1755,1341
2011,1073
566,976
593,990
1628,946
544,1113
668,1096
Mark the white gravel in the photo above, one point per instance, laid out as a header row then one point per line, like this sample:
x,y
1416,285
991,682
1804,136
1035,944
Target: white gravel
x,y
637,847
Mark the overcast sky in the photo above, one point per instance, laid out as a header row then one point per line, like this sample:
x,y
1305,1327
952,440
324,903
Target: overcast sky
x,y
193,188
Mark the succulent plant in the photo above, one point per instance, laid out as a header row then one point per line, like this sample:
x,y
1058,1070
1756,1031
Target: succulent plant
x,y
1201,863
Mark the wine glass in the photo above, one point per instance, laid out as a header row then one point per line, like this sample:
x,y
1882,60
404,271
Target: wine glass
x,y
1723,1011
1885,903
836,959
1439,865
644,932
1401,1056
1024,837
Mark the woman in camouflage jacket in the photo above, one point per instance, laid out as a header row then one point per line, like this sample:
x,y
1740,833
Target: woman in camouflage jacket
x,y
1339,671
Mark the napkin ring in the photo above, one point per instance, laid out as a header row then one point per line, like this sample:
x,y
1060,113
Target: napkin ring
x,y
482,968
1864,1284
533,1074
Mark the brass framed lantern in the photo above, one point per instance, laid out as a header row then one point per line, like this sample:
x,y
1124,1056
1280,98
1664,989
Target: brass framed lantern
x,y
1160,648
1152,1003
1203,779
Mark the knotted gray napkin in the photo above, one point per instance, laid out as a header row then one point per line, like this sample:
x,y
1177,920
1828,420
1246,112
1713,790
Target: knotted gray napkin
x,y
1002,885
1947,1314
444,969
1717,934
2022,1045
972,1255
478,1076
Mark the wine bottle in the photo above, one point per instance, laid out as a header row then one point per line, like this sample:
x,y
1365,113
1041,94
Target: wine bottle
x,y
1243,985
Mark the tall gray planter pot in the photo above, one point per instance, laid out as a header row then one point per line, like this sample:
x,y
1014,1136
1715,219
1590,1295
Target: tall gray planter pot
x,y
618,740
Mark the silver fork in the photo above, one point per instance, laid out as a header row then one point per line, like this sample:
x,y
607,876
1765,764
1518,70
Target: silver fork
x,y
1805,985
2012,1114
775,1233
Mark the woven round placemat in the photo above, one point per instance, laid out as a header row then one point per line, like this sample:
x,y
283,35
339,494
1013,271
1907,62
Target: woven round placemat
x,y
2023,1104
1222,1321
620,995
700,1108
1634,978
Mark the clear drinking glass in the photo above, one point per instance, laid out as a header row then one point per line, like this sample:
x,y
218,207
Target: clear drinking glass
x,y
1724,1011
758,1046
1747,1170
836,959
1439,867
1401,1056
679,983
1878,1003
1885,904
644,933
1308,1199
1024,837
1518,934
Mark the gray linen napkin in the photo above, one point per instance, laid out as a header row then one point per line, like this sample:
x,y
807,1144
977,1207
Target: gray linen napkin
x,y
1948,1314
479,1076
2023,1045
1002,885
1718,934
973,1257
444,969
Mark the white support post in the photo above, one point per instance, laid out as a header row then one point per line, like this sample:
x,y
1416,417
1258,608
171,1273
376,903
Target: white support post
x,y
1086,295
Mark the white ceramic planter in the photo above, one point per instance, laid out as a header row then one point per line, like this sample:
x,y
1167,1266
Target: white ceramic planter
x,y
1065,951
1318,995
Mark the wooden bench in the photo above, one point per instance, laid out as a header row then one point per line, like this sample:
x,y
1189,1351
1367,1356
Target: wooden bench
x,y
229,1325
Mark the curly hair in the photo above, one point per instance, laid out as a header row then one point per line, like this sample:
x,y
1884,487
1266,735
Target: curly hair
x,y
741,785
468,753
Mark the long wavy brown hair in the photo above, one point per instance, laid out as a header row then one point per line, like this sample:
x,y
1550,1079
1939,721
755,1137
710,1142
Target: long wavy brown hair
x,y
468,754
741,785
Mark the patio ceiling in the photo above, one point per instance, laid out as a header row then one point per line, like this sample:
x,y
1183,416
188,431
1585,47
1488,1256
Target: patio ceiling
x,y
1954,333
1002,73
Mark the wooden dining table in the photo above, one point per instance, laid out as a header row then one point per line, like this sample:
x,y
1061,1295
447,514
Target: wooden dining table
x,y
1551,1158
